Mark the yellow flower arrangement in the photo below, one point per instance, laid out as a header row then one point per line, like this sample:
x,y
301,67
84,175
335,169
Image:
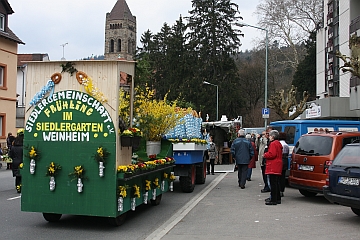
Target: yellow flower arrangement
x,y
136,190
78,172
147,185
156,183
172,177
154,117
122,169
21,165
127,132
101,154
52,169
165,175
33,153
18,188
122,191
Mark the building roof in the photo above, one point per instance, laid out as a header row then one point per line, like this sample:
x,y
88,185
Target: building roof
x,y
121,11
24,58
8,34
7,6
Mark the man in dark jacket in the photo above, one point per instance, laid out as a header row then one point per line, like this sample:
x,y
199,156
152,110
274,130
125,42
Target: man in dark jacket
x,y
16,153
242,152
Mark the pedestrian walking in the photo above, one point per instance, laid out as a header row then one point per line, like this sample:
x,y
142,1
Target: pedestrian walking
x,y
16,153
9,142
242,152
262,142
274,165
212,152
252,163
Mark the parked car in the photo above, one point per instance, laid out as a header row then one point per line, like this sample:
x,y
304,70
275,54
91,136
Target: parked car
x,y
343,182
312,156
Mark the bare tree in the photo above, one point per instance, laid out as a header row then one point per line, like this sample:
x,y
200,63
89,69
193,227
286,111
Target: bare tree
x,y
351,64
289,23
285,104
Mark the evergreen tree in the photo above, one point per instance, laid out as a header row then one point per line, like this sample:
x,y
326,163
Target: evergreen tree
x,y
305,75
213,41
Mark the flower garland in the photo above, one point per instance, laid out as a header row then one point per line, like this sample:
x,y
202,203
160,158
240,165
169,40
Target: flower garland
x,y
52,169
101,154
148,165
40,95
93,91
136,191
186,140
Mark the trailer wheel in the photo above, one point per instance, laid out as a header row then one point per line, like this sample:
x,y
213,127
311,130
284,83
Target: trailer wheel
x,y
201,173
117,221
52,217
156,201
187,183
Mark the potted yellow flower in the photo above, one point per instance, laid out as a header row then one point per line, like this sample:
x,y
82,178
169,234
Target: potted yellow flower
x,y
155,118
126,138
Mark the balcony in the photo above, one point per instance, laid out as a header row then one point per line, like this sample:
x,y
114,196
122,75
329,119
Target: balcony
x,y
354,25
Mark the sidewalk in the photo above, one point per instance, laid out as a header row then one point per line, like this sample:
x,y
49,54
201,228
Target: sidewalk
x,y
220,213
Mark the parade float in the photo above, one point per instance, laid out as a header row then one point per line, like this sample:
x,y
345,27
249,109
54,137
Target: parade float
x,y
78,157
189,146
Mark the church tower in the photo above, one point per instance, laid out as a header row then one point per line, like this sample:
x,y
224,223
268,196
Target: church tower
x,y
120,33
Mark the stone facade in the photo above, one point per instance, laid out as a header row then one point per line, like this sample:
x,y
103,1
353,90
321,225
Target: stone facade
x,y
120,33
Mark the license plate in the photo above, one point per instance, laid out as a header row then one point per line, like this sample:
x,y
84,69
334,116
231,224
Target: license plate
x,y
306,168
349,181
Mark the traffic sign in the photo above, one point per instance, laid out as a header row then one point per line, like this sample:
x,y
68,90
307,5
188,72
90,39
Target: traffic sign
x,y
265,112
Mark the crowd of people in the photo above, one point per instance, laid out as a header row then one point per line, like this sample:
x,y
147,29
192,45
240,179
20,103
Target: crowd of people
x,y
271,150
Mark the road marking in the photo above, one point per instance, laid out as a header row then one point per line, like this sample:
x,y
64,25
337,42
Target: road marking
x,y
13,198
179,215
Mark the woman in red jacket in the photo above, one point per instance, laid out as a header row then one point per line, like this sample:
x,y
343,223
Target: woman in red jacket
x,y
274,167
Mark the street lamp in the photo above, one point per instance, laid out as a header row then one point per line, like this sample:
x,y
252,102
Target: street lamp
x,y
266,60
217,98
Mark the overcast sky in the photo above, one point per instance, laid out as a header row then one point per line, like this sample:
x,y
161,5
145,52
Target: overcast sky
x,y
44,25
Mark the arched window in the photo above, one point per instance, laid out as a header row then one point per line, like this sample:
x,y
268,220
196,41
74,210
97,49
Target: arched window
x,y
119,45
111,47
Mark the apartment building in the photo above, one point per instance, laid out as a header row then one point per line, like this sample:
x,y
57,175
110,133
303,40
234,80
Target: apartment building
x,y
337,92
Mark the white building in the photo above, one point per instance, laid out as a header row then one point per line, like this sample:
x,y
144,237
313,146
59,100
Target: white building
x,y
336,91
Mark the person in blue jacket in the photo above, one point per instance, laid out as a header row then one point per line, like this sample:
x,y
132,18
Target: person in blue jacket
x,y
242,152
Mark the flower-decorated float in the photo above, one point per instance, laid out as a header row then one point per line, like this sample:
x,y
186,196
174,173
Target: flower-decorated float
x,y
78,149
189,148
164,123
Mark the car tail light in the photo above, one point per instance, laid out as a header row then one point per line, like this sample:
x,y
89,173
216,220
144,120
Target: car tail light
x,y
327,178
327,165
